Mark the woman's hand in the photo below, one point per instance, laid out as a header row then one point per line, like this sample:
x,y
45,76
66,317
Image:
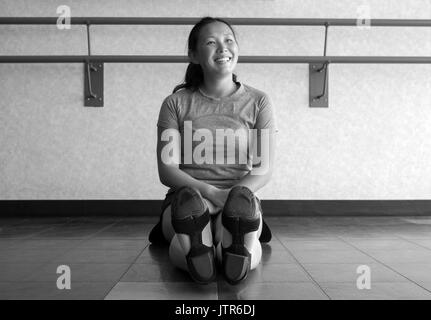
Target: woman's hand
x,y
218,196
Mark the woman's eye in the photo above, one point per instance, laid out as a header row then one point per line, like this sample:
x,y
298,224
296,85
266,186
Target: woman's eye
x,y
210,42
229,40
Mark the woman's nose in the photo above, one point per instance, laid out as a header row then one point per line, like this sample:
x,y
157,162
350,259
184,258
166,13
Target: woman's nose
x,y
222,48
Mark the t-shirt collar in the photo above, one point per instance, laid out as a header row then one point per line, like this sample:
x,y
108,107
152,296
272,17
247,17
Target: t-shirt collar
x,y
235,94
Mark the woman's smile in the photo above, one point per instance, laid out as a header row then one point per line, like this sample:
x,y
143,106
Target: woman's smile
x,y
223,60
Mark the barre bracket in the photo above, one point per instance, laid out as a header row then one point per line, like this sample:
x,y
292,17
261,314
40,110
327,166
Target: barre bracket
x,y
93,84
318,89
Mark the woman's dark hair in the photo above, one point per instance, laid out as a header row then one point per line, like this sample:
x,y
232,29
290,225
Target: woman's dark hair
x,y
194,74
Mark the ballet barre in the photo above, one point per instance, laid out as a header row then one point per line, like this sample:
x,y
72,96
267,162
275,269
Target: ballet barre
x,y
318,65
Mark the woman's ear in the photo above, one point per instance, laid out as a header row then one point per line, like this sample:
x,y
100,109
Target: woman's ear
x,y
193,57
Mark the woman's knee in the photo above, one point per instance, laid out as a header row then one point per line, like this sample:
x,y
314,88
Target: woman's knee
x,y
242,201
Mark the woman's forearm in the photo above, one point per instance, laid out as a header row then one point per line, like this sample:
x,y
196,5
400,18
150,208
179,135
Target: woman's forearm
x,y
261,174
254,182
174,177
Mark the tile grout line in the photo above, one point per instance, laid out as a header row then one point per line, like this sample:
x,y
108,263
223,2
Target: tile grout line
x,y
103,229
29,236
63,224
375,259
67,250
127,270
303,268
418,244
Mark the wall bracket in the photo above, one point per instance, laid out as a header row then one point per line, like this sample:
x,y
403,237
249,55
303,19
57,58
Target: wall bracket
x,y
318,89
93,84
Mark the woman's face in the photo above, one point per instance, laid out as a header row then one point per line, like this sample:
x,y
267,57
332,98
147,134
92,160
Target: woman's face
x,y
217,50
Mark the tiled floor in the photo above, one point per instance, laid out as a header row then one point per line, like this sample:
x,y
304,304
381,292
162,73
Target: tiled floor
x,y
308,258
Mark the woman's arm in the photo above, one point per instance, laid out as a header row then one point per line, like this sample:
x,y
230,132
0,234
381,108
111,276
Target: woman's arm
x,y
259,176
172,176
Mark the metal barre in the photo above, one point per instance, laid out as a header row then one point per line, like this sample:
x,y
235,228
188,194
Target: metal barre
x,y
184,59
234,21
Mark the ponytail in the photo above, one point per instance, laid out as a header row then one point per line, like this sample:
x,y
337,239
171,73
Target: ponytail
x,y
194,77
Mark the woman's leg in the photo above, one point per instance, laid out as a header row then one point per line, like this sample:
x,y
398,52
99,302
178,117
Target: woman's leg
x,y
168,230
251,240
180,243
188,210
241,226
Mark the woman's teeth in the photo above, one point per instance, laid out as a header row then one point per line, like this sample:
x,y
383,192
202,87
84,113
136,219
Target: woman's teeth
x,y
223,60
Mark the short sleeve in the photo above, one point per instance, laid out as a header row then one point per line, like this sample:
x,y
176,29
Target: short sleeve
x,y
266,117
168,116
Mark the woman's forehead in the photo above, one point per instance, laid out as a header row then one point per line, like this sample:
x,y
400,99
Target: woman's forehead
x,y
215,29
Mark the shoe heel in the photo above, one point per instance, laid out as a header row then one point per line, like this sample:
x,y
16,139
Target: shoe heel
x,y
191,220
236,267
236,258
202,267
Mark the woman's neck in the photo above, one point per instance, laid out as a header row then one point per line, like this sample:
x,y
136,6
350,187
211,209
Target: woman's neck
x,y
218,88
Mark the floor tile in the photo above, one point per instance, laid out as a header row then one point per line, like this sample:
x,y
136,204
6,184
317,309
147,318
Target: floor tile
x,y
332,256
364,233
114,253
292,232
416,272
44,244
148,272
378,291
342,272
17,232
98,256
8,243
154,254
411,231
73,231
307,245
426,285
18,272
45,221
272,291
274,245
125,230
113,244
422,242
162,291
31,255
277,272
270,255
390,257
10,221
290,221
383,244
49,291
81,272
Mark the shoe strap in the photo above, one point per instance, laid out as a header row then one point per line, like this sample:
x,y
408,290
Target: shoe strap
x,y
237,225
192,224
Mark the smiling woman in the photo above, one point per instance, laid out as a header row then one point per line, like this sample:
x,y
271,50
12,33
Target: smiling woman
x,y
211,210
204,40
217,55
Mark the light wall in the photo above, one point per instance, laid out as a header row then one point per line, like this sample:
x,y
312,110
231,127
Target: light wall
x,y
373,142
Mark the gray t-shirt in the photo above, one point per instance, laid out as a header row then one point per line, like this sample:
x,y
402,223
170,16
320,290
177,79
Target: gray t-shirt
x,y
247,108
